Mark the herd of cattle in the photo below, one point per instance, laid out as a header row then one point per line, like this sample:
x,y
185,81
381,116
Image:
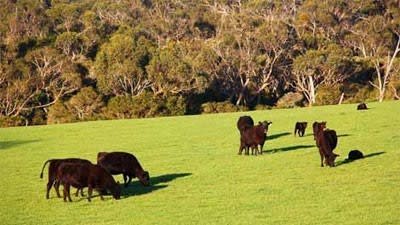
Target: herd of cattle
x,y
252,136
81,173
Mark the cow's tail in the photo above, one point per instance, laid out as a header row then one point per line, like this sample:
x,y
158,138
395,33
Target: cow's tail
x,y
44,165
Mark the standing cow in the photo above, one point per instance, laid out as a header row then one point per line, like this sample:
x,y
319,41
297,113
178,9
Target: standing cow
x,y
125,164
53,167
300,128
254,136
87,175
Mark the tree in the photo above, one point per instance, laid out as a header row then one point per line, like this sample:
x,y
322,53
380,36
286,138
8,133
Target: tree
x,y
120,64
378,46
328,66
86,104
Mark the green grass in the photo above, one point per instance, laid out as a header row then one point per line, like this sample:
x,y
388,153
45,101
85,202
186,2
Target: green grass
x,y
198,178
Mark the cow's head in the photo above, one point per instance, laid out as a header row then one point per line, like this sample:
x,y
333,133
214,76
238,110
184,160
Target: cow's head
x,y
116,191
100,156
265,124
330,160
144,178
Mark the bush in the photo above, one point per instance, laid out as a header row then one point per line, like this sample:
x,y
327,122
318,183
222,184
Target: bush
x,y
291,100
6,121
59,113
220,107
328,95
120,107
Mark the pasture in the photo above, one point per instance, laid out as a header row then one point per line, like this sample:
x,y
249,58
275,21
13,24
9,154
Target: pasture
x,y
198,178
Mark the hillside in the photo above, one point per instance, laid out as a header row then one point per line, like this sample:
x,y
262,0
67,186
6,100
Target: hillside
x,y
198,178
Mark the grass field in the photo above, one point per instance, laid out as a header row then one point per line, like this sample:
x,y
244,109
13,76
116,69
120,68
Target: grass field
x,y
198,178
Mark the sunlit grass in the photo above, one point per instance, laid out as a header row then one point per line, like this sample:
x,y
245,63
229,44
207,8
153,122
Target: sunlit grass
x,y
198,178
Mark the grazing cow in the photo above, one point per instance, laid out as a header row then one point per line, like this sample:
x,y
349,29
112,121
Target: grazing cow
x,y
326,141
355,154
254,136
362,106
125,164
300,128
53,167
92,176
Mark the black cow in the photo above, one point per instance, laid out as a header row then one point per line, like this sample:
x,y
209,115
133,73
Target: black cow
x,y
254,136
125,164
300,128
53,167
326,141
355,154
362,106
92,176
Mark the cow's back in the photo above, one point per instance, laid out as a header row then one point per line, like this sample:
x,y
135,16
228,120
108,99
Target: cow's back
x,y
75,174
244,123
119,162
331,138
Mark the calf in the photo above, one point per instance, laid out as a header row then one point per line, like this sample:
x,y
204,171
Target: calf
x,y
254,136
326,141
125,164
300,128
362,106
53,167
87,175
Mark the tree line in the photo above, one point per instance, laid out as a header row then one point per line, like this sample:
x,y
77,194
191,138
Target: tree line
x,y
74,60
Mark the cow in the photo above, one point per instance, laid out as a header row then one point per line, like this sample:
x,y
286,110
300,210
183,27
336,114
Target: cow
x,y
254,136
355,154
244,122
300,128
123,163
80,175
362,106
326,141
53,166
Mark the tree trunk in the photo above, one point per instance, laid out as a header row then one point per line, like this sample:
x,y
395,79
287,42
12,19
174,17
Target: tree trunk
x,y
312,90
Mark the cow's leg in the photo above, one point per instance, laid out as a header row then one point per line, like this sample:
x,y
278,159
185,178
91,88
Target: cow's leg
x,y
247,149
101,191
241,147
261,148
77,192
322,158
49,185
90,190
69,193
82,195
65,192
57,187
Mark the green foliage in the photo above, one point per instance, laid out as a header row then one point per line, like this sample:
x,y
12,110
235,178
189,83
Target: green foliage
x,y
86,105
120,107
221,107
59,113
327,95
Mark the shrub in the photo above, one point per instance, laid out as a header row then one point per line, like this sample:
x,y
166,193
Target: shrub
x,y
328,95
58,113
220,107
120,107
290,100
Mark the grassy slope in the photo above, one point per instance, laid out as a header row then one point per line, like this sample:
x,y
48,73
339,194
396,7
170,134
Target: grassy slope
x,y
198,178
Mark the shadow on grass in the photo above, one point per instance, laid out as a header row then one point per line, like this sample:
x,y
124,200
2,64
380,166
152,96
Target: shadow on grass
x,y
290,148
343,135
347,161
9,144
275,136
156,183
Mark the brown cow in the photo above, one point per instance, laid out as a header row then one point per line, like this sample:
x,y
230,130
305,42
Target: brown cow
x,y
244,122
326,141
53,167
300,128
123,163
254,136
92,176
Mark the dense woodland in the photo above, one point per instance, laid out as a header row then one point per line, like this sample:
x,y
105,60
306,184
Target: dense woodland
x,y
74,60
